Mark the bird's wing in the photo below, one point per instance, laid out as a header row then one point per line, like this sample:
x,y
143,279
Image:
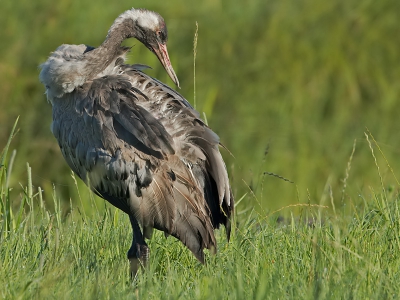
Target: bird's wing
x,y
112,102
108,140
195,143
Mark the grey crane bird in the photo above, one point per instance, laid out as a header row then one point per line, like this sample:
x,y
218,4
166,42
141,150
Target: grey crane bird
x,y
136,142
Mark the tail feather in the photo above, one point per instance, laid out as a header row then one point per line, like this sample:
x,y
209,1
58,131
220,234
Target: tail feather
x,y
174,204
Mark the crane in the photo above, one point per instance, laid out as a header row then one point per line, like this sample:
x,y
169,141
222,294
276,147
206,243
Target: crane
x,y
136,142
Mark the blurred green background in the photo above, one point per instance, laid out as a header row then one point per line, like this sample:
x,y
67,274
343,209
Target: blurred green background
x,y
288,85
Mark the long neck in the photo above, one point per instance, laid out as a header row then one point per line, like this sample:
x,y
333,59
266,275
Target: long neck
x,y
101,57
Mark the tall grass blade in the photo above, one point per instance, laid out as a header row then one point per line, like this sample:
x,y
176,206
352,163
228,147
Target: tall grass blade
x,y
5,150
194,63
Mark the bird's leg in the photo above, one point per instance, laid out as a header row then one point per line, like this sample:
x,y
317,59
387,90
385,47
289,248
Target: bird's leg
x,y
139,252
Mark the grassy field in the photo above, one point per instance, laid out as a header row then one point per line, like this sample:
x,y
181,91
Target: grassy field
x,y
45,255
351,253
305,90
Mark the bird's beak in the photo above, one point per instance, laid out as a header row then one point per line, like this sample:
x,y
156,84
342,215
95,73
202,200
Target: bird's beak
x,y
162,54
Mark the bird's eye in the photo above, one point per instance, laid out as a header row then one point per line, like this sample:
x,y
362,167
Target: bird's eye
x,y
160,35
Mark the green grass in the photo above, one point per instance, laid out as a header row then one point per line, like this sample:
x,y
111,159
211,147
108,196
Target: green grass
x,y
343,253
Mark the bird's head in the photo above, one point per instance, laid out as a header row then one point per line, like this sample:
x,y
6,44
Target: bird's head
x,y
150,29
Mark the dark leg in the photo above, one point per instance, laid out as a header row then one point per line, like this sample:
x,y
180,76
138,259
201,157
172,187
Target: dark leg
x,y
139,252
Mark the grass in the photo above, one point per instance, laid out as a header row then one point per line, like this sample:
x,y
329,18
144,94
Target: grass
x,y
344,253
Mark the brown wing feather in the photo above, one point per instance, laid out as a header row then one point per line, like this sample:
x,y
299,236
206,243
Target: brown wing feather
x,y
195,143
176,206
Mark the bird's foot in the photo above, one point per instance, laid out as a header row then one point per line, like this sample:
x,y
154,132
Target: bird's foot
x,y
134,266
139,259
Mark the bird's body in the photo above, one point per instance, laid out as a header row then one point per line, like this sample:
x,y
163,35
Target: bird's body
x,y
136,142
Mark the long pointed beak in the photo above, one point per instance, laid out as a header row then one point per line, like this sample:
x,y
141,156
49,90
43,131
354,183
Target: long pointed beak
x,y
162,54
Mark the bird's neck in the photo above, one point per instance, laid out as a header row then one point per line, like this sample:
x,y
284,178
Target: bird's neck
x,y
104,55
